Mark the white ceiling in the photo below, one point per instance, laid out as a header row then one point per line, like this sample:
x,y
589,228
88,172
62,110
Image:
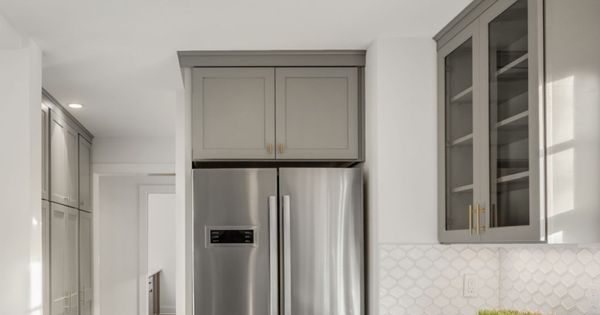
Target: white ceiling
x,y
118,57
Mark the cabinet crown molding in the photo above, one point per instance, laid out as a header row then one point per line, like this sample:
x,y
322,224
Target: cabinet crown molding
x,y
272,58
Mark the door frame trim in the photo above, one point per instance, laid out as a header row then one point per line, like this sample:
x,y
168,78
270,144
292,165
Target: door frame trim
x,y
144,191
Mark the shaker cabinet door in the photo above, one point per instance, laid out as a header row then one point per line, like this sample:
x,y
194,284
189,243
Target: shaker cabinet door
x,y
63,162
85,181
45,152
233,113
317,113
72,261
46,301
58,249
85,263
64,271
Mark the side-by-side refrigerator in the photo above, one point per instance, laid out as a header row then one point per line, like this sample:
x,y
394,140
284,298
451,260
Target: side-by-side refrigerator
x,y
278,241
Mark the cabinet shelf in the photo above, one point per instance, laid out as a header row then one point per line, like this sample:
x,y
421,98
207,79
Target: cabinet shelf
x,y
513,177
463,96
516,119
516,67
465,188
463,140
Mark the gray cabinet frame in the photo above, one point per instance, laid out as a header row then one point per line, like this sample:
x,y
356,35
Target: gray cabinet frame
x,y
473,21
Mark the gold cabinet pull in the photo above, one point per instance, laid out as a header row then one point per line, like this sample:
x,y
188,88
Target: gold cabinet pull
x,y
270,148
479,211
471,219
281,148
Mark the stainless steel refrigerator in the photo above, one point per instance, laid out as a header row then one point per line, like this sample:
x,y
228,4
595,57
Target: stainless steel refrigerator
x,y
287,241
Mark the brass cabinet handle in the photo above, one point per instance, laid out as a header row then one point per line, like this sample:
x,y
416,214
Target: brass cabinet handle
x,y
478,220
281,147
471,219
270,148
479,211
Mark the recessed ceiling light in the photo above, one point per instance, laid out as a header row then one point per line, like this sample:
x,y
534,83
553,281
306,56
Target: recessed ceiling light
x,y
75,106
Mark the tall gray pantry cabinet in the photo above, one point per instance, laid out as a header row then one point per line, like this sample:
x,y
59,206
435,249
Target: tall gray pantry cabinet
x,y
66,211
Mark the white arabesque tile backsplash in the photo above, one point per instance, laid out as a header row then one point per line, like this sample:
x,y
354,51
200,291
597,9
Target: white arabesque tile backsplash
x,y
428,279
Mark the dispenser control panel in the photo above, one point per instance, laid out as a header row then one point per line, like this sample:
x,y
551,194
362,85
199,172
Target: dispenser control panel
x,y
218,236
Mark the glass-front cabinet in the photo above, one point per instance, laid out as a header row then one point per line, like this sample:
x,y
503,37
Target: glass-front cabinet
x,y
490,128
457,73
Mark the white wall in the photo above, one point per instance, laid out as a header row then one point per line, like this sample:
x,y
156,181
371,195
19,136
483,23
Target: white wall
x,y
20,166
184,222
117,240
136,150
401,139
161,246
401,167
573,121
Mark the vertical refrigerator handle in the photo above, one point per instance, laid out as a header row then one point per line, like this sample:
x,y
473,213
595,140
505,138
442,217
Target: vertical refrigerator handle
x,y
287,268
273,257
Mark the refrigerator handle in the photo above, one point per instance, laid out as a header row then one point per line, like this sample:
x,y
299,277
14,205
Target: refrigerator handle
x,y
287,255
273,267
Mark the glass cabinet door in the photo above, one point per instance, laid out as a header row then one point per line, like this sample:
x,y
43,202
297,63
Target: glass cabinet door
x,y
458,136
509,120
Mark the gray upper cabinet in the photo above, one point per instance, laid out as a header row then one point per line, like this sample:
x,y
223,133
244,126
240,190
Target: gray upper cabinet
x,y
299,113
85,180
45,152
233,113
63,162
490,161
317,113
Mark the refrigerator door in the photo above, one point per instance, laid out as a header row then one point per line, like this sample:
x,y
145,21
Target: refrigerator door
x,y
235,265
322,241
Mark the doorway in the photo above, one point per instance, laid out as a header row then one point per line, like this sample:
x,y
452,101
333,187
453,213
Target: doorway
x,y
157,249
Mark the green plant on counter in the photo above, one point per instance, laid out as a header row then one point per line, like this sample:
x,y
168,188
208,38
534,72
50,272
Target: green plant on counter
x,y
505,312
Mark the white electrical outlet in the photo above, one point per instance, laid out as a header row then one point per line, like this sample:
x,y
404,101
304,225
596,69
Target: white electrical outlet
x,y
469,285
593,295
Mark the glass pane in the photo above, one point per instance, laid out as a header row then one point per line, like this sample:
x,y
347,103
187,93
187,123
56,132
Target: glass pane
x,y
459,136
509,136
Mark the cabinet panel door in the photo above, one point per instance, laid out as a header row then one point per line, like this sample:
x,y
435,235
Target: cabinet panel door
x,y
233,113
85,181
58,249
45,152
317,113
47,302
72,141
512,208
85,263
63,162
58,161
458,138
72,261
